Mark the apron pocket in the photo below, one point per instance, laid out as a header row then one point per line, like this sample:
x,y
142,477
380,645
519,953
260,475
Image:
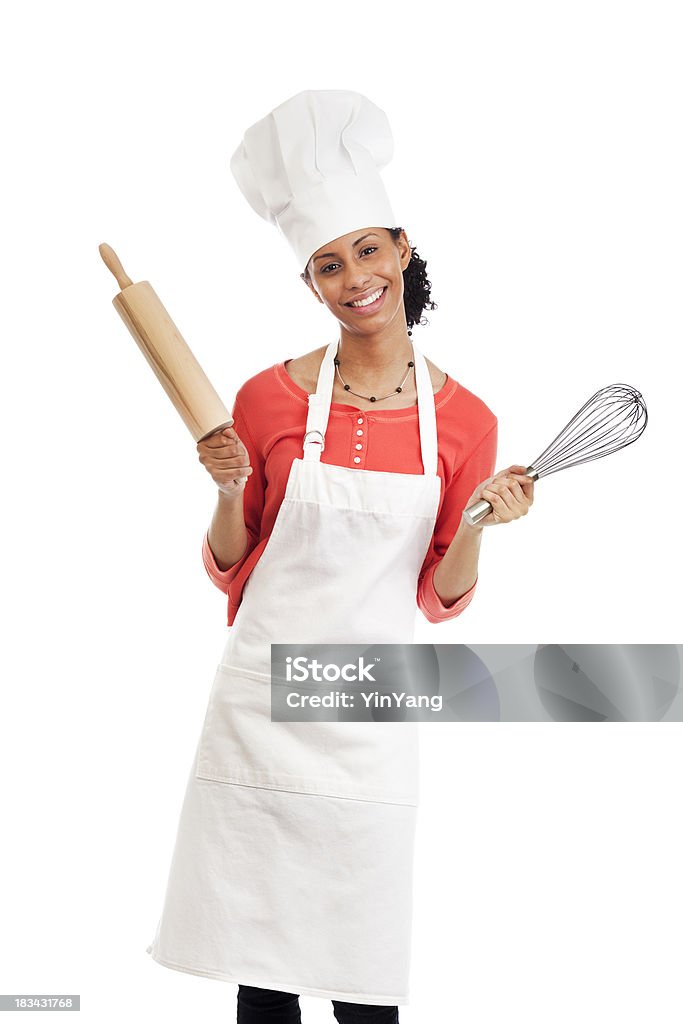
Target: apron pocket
x,y
239,745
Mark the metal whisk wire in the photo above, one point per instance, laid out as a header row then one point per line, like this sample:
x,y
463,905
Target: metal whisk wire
x,y
612,418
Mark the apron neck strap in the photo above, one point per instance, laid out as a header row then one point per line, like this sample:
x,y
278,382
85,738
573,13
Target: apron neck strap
x,y
426,411
319,409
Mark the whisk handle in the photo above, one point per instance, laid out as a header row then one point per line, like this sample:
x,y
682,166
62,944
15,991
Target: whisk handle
x,y
479,509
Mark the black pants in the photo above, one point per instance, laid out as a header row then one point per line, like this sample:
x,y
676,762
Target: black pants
x,y
268,1006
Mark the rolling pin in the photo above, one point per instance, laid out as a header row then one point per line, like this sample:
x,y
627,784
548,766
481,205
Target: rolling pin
x,y
166,351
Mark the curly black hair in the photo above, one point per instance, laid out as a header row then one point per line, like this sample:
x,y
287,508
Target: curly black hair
x,y
416,285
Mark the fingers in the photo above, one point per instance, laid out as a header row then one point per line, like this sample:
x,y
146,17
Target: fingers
x,y
510,493
230,481
515,471
500,505
499,511
519,475
226,459
225,446
526,484
224,437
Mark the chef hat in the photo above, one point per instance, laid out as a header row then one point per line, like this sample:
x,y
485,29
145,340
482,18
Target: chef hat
x,y
311,167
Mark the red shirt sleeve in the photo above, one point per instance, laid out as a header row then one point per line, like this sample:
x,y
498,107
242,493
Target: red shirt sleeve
x,y
253,497
479,465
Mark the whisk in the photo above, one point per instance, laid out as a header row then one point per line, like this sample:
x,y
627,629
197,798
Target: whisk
x,y
612,418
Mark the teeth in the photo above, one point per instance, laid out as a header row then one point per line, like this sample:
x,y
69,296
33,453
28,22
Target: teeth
x,y
370,298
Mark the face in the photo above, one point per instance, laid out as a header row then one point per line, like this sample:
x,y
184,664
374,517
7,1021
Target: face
x,y
355,266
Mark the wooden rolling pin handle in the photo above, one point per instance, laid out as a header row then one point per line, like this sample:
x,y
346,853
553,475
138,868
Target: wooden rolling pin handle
x,y
217,430
113,263
167,353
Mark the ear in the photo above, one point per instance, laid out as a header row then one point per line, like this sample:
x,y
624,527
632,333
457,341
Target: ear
x,y
405,252
309,285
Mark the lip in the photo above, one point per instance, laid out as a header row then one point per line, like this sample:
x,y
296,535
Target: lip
x,y
367,310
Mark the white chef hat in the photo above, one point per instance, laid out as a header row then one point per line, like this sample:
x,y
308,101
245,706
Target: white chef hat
x,y
311,167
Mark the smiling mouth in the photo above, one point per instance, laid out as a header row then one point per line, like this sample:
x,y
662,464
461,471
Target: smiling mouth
x,y
369,305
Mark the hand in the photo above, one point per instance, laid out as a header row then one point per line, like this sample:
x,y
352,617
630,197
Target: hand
x,y
510,492
226,460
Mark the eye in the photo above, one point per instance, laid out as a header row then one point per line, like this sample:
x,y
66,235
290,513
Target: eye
x,y
368,248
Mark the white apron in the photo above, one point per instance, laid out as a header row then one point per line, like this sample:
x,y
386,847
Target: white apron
x,y
293,861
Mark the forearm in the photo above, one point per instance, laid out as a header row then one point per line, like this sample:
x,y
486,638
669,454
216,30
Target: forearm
x,y
227,534
457,571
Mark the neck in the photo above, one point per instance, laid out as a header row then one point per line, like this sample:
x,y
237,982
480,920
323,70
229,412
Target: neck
x,y
375,355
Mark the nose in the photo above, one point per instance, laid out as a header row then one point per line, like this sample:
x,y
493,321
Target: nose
x,y
356,277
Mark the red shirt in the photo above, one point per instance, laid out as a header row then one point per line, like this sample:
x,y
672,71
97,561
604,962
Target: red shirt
x,y
270,413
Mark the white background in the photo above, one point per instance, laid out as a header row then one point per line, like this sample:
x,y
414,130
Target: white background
x,y
537,169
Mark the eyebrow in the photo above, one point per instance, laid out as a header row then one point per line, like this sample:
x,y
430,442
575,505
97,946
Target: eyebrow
x,y
324,255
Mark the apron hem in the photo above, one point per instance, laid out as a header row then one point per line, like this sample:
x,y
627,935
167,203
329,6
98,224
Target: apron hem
x,y
346,997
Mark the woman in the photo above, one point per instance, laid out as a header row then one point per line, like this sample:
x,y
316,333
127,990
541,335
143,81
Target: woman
x,y
292,871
